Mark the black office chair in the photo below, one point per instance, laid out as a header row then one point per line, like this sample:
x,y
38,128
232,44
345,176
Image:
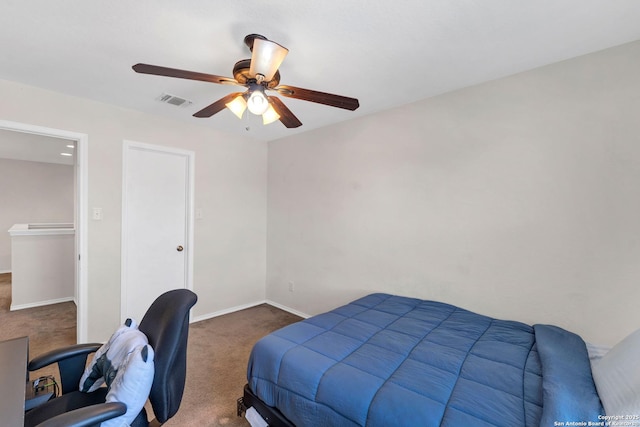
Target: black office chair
x,y
166,325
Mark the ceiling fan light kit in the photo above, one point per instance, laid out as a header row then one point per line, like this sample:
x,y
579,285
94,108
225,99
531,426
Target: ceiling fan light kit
x,y
270,115
257,102
237,106
258,74
266,58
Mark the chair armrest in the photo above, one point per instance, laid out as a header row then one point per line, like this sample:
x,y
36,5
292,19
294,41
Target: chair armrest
x,y
55,356
71,363
87,416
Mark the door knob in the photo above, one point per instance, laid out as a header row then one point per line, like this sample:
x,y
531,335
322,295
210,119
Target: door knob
x,y
179,248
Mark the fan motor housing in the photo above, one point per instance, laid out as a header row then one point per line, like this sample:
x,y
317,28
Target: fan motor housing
x,y
241,74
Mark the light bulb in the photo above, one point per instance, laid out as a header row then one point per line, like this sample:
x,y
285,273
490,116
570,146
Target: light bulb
x,y
270,115
237,106
257,102
266,58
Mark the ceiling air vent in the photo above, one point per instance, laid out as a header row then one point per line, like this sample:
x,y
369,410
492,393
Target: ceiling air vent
x,y
173,100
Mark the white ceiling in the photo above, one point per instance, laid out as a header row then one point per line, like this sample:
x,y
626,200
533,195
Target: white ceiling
x,y
385,53
36,148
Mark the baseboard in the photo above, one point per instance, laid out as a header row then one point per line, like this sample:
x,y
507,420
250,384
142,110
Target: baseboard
x,y
15,307
225,311
289,309
244,307
5,271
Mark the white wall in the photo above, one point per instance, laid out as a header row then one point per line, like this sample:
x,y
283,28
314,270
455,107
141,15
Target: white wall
x,y
230,245
517,198
32,192
42,267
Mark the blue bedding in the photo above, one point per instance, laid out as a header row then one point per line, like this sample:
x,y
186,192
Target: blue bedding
x,y
387,360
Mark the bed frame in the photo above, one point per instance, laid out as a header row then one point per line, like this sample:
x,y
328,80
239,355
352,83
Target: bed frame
x,y
271,415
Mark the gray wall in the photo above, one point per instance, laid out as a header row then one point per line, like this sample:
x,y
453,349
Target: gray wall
x,y
516,198
32,192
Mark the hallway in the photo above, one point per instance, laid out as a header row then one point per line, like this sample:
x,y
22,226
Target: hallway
x,y
47,327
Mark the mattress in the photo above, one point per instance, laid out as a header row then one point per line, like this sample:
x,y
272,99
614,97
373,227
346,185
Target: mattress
x,y
389,360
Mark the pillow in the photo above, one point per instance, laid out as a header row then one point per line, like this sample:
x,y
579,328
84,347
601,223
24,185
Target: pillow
x,y
596,351
132,385
617,377
125,365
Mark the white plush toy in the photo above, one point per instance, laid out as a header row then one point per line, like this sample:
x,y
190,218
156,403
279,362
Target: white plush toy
x,y
125,365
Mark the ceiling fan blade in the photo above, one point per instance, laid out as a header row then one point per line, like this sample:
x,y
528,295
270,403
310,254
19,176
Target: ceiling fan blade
x,y
286,116
183,74
319,97
217,106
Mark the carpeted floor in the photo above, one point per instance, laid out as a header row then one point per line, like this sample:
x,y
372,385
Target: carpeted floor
x,y
47,327
217,355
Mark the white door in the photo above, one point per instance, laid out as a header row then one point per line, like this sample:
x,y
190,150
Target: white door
x,y
156,224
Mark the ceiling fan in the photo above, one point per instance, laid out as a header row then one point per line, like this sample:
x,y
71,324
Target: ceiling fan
x,y
258,74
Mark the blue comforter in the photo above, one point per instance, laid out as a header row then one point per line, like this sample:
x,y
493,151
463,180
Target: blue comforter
x,y
386,360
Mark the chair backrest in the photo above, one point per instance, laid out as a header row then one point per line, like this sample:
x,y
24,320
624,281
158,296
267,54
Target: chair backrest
x,y
166,325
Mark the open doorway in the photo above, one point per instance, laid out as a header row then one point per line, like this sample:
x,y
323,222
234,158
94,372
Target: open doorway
x,y
48,138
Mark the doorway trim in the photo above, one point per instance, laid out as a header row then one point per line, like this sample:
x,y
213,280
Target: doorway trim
x,y
81,201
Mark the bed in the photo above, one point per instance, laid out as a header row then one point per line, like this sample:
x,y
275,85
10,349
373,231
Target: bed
x,y
386,360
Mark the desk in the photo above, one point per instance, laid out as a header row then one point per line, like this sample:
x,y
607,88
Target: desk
x,y
13,377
